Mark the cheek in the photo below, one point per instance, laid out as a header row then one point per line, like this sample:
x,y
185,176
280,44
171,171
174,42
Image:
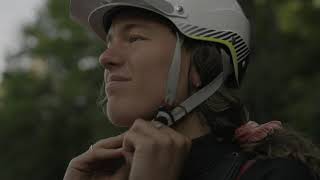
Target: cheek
x,y
148,68
152,70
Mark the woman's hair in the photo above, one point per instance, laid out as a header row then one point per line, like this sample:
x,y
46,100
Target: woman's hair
x,y
224,112
226,108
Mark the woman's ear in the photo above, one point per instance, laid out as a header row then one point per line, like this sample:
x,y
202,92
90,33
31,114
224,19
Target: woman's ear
x,y
195,77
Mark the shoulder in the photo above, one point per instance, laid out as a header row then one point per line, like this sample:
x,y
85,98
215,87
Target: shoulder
x,y
278,169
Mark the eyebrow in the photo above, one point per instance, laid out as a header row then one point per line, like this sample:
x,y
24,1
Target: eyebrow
x,y
126,28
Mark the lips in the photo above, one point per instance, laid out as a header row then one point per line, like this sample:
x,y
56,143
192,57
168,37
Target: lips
x,y
116,78
114,82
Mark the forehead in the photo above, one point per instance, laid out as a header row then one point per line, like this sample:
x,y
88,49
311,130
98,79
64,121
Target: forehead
x,y
139,17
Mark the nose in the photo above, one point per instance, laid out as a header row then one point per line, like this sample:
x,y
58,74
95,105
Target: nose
x,y
110,58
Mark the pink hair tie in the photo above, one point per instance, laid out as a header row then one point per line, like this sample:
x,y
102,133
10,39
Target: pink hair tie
x,y
252,132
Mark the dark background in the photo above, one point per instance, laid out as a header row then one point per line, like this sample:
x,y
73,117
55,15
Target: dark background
x,y
50,90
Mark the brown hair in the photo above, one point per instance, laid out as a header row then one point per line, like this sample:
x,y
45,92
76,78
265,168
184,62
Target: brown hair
x,y
224,113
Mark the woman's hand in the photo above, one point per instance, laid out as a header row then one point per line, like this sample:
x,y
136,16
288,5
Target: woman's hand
x,y
104,160
154,153
144,152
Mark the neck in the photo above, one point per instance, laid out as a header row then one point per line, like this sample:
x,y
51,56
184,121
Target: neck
x,y
192,126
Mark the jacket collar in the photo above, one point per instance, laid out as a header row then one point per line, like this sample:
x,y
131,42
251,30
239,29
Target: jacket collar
x,y
205,153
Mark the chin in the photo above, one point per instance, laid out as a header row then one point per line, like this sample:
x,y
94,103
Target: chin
x,y
122,116
119,119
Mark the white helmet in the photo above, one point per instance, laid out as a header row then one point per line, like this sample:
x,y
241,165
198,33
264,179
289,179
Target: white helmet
x,y
219,21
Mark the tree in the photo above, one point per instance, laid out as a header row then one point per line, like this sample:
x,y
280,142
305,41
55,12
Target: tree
x,y
48,107
48,97
283,78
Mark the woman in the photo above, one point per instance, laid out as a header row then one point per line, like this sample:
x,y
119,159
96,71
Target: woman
x,y
170,67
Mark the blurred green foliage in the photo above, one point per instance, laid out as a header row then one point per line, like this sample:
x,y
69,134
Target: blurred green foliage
x,y
48,107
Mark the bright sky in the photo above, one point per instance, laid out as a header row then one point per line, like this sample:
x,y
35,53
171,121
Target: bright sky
x,y
13,14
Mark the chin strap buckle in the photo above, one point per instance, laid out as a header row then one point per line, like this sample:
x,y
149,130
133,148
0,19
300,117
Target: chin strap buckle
x,y
165,116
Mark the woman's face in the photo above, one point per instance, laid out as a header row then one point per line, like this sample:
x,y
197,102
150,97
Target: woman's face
x,y
137,62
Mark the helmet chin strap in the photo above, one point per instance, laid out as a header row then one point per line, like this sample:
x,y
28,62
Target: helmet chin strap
x,y
169,116
174,72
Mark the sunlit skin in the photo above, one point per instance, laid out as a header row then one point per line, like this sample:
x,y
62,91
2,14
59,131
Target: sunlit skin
x,y
136,65
137,60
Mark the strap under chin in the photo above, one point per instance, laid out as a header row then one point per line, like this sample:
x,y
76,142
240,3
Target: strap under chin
x,y
192,102
174,72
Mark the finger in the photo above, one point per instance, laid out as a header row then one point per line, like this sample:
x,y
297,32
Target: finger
x,y
103,154
157,124
159,130
88,160
128,156
164,135
180,140
149,127
132,140
145,128
110,143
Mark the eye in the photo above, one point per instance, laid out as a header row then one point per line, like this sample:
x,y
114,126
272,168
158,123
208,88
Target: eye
x,y
134,38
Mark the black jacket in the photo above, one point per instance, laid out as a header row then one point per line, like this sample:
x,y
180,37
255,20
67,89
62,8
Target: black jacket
x,y
212,160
